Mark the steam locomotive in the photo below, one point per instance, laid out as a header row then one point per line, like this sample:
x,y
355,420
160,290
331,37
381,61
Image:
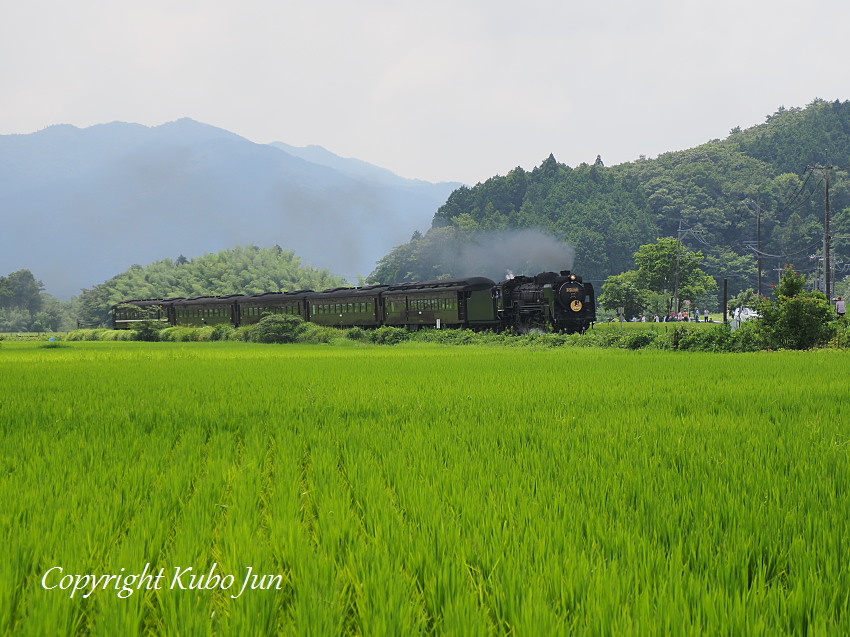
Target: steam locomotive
x,y
558,301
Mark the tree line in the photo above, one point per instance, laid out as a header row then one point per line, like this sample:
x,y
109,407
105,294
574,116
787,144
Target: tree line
x,y
24,307
711,198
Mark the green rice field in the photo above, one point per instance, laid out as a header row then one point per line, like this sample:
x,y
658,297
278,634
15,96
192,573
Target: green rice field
x,y
238,489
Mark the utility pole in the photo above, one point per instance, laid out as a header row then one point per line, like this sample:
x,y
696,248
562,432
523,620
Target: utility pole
x,y
758,243
826,238
825,170
681,233
678,259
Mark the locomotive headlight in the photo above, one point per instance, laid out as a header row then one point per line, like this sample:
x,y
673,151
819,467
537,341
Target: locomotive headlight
x,y
572,277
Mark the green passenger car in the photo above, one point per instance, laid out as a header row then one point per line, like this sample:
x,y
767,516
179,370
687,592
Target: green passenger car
x,y
346,307
447,303
128,313
252,308
205,310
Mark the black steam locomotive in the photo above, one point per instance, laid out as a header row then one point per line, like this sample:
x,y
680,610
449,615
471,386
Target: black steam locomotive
x,y
561,302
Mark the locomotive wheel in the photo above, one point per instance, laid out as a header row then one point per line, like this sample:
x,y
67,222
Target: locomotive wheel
x,y
533,324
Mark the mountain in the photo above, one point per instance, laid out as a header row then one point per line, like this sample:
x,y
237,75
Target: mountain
x,y
762,187
77,206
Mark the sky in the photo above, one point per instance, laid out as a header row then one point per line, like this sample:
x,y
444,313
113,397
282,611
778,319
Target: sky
x,y
444,90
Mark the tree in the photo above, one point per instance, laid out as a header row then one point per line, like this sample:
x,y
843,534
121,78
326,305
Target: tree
x,y
21,290
624,290
667,266
797,319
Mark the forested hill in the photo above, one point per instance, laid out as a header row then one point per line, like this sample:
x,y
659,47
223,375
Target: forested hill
x,y
710,192
241,270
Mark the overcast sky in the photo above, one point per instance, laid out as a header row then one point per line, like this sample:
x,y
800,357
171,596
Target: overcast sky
x,y
443,90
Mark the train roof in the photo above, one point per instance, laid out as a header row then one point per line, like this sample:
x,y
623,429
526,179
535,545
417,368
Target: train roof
x,y
367,290
459,285
148,302
210,300
263,297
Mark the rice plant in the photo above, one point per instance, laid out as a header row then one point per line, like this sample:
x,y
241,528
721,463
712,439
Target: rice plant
x,y
421,489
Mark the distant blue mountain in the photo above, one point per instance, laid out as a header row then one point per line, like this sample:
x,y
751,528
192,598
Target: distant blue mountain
x,y
78,206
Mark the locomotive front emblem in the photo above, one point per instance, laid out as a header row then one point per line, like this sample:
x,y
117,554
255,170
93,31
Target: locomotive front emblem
x,y
576,305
